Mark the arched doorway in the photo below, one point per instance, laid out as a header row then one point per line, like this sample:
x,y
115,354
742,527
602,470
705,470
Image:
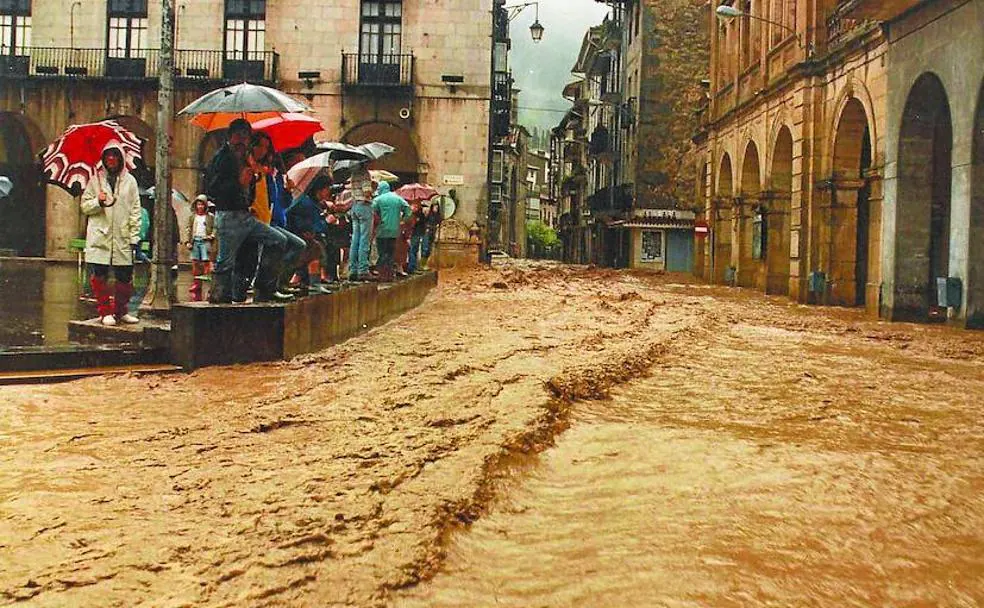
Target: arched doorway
x,y
23,213
922,238
777,216
975,266
404,162
847,242
748,222
721,216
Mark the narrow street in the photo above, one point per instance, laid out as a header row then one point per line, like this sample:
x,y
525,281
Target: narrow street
x,y
614,439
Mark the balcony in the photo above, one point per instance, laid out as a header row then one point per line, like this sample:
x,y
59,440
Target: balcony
x,y
377,71
95,63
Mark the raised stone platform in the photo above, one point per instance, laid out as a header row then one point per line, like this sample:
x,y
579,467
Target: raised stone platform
x,y
206,334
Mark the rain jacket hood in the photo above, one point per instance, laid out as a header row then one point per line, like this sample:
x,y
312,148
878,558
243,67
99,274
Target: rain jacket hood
x,y
392,210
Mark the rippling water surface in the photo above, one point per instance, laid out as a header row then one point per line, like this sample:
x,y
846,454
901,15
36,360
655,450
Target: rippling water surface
x,y
760,467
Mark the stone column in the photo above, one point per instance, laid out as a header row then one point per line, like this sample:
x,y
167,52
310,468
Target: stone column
x,y
777,254
721,227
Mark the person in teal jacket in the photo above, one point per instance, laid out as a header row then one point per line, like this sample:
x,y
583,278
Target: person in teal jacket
x,y
392,211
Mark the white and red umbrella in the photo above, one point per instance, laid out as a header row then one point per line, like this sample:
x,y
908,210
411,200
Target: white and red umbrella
x,y
72,159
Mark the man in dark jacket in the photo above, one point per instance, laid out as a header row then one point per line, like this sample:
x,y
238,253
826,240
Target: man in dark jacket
x,y
228,184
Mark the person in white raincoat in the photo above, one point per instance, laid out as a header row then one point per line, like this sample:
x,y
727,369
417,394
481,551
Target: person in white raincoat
x,y
111,202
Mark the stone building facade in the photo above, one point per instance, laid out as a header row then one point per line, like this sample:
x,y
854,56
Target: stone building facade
x,y
791,152
933,166
415,75
633,115
839,154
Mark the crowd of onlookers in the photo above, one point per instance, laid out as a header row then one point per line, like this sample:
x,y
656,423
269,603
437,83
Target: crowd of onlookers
x,y
281,242
264,235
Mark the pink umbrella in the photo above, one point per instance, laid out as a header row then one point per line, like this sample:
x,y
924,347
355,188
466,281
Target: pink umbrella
x,y
289,130
417,192
71,160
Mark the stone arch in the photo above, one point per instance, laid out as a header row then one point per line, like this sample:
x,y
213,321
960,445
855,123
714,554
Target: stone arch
x,y
23,213
854,94
778,239
975,253
848,250
720,219
725,181
922,239
751,172
404,162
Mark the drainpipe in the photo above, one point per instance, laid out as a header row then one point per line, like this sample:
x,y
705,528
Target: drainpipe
x,y
71,26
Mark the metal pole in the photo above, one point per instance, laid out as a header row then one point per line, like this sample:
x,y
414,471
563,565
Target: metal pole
x,y
160,293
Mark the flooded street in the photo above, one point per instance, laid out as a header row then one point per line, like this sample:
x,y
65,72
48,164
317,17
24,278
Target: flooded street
x,y
757,465
530,436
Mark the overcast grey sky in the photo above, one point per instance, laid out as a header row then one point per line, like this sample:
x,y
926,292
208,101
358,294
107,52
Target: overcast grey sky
x,y
542,70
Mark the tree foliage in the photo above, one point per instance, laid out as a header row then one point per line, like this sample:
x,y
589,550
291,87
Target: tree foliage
x,y
541,235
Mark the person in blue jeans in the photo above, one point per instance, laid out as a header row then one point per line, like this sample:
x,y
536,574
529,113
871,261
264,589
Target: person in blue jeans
x,y
229,178
361,218
418,236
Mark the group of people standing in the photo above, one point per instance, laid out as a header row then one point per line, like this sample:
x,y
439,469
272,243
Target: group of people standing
x,y
269,236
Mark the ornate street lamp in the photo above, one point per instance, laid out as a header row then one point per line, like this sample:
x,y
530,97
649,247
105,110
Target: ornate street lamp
x,y
536,30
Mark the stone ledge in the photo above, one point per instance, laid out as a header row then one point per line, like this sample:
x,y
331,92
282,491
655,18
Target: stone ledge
x,y
205,334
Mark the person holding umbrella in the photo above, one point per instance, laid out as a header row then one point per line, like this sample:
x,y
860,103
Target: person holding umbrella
x,y
229,182
111,202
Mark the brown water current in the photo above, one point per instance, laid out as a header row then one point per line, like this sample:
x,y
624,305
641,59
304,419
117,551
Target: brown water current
x,y
533,435
777,457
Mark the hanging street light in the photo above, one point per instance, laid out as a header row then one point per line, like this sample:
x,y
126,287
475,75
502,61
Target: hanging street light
x,y
536,30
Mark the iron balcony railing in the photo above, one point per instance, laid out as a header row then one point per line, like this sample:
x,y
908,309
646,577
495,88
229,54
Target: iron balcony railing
x,y
52,62
375,70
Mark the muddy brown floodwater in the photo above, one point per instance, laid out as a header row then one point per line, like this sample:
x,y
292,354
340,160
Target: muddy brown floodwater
x,y
700,447
775,457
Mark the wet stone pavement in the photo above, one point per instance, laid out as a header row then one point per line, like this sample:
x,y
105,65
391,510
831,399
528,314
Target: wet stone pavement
x,y
531,436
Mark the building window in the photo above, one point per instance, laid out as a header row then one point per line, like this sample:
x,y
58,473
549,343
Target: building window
x,y
381,31
127,36
531,176
15,27
245,30
652,246
498,166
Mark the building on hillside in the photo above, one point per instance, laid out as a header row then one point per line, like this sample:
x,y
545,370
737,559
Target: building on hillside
x,y
928,157
839,153
415,75
662,43
791,152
